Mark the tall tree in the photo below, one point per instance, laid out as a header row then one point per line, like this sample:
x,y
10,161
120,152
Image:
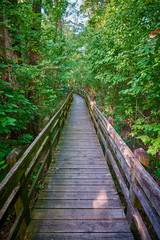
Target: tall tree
x,y
8,37
123,63
33,94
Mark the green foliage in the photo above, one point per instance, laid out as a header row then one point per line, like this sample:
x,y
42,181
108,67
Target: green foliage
x,y
15,112
149,134
157,173
122,62
118,125
113,58
33,67
3,165
25,138
155,166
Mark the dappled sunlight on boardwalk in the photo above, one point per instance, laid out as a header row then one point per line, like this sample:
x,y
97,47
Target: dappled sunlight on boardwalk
x,y
79,199
101,200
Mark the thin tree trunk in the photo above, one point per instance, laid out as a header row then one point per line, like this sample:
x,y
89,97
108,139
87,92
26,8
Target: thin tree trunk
x,y
33,95
6,54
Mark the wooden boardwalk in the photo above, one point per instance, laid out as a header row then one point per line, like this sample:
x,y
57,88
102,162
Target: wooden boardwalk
x,y
79,200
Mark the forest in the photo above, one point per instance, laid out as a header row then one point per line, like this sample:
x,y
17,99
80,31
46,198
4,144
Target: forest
x,y
109,48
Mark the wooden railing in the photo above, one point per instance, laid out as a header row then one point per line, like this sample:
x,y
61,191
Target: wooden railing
x,y
14,189
136,183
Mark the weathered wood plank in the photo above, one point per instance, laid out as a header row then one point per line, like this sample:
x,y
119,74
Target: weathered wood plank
x,y
78,144
79,203
78,170
79,154
109,213
81,137
103,226
79,188
79,236
79,147
80,158
79,175
82,181
110,194
64,167
80,162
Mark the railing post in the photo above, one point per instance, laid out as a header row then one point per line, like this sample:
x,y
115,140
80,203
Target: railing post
x,y
134,201
45,121
132,198
58,127
142,156
12,157
22,203
111,121
50,150
22,199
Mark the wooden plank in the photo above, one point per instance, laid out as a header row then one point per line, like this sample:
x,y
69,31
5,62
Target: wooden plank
x,y
79,236
79,203
75,166
73,155
79,199
78,149
111,213
110,194
83,128
79,181
79,175
79,167
79,188
68,144
79,154
80,136
80,162
79,142
79,158
79,226
78,170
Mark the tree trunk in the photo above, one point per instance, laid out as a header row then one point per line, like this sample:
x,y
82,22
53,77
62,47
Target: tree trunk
x,y
6,54
33,96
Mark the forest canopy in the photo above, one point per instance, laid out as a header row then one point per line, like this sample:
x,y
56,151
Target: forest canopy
x,y
114,56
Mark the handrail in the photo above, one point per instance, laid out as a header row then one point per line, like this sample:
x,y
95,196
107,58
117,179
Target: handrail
x,y
141,185
14,188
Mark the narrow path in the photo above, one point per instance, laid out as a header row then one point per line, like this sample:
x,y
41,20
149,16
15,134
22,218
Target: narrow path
x,y
79,200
